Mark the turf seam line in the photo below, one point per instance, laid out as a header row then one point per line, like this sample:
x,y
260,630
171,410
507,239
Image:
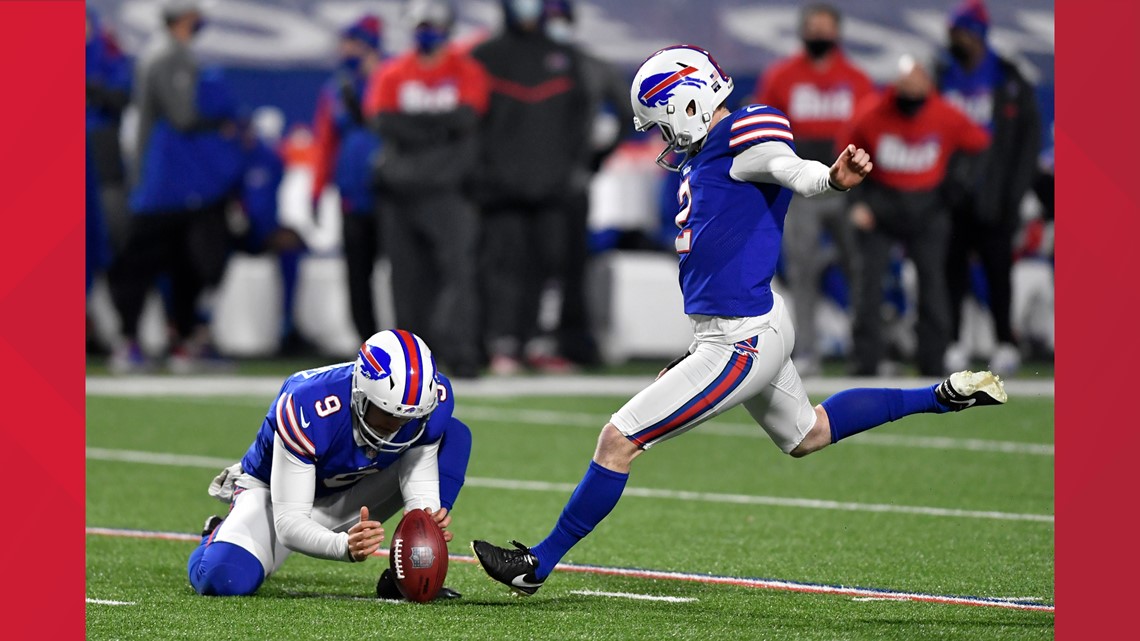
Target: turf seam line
x,y
668,575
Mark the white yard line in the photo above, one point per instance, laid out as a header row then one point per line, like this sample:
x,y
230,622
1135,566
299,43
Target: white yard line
x,y
153,458
638,597
107,602
490,387
473,411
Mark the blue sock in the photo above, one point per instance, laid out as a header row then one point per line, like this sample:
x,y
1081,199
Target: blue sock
x,y
858,410
596,494
224,569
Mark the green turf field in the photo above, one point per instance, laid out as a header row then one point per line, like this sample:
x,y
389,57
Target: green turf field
x,y
980,483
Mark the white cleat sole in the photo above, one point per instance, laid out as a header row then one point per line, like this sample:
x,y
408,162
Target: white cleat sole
x,y
969,383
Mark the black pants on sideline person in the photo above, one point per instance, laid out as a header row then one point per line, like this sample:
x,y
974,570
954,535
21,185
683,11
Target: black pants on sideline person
x,y
191,247
523,247
919,221
431,239
361,249
575,336
993,243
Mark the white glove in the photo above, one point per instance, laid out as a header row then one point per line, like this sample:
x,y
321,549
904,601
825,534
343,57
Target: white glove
x,y
222,487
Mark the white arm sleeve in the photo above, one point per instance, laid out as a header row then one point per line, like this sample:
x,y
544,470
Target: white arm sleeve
x,y
419,477
292,486
775,162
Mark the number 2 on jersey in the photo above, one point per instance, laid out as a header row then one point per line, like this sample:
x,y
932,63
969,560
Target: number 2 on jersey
x,y
684,198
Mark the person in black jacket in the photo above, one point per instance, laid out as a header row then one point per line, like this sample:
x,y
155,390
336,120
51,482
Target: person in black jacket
x,y
533,143
985,192
426,104
611,121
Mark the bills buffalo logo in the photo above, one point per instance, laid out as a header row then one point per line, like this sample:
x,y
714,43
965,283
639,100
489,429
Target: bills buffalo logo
x,y
657,89
375,364
422,557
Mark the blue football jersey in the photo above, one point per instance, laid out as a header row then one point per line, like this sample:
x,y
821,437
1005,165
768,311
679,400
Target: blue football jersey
x,y
312,416
730,230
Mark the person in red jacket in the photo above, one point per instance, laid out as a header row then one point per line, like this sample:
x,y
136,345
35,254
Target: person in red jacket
x,y
911,132
818,89
426,105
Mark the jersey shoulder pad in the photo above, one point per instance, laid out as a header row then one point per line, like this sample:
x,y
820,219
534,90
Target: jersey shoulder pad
x,y
754,124
308,412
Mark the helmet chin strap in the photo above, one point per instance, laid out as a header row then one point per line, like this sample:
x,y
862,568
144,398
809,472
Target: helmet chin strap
x,y
687,152
680,143
366,436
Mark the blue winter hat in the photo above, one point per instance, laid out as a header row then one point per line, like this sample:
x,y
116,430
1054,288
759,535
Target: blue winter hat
x,y
366,29
972,16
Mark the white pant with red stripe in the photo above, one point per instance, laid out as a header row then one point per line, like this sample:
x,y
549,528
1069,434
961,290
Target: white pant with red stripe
x,y
731,361
250,522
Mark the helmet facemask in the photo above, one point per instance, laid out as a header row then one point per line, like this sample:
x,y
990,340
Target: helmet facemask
x,y
375,438
684,142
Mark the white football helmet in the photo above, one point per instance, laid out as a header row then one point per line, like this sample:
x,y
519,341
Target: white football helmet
x,y
668,85
395,371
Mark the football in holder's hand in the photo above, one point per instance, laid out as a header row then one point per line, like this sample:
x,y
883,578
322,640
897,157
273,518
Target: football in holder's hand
x,y
418,556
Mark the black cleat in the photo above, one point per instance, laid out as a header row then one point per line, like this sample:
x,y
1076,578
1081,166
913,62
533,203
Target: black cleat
x,y
513,568
386,588
446,594
211,524
966,389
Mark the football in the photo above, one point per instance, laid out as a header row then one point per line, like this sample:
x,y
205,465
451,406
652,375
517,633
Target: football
x,y
418,557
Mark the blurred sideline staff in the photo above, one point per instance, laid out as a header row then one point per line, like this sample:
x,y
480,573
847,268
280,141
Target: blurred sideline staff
x,y
426,105
533,141
985,192
188,164
610,121
818,89
108,92
108,80
345,153
910,132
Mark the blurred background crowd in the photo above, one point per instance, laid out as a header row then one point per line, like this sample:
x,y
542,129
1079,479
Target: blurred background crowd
x,y
285,178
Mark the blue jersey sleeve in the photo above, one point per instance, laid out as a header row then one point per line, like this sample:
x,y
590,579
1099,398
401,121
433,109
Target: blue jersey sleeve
x,y
755,124
454,452
289,428
443,412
